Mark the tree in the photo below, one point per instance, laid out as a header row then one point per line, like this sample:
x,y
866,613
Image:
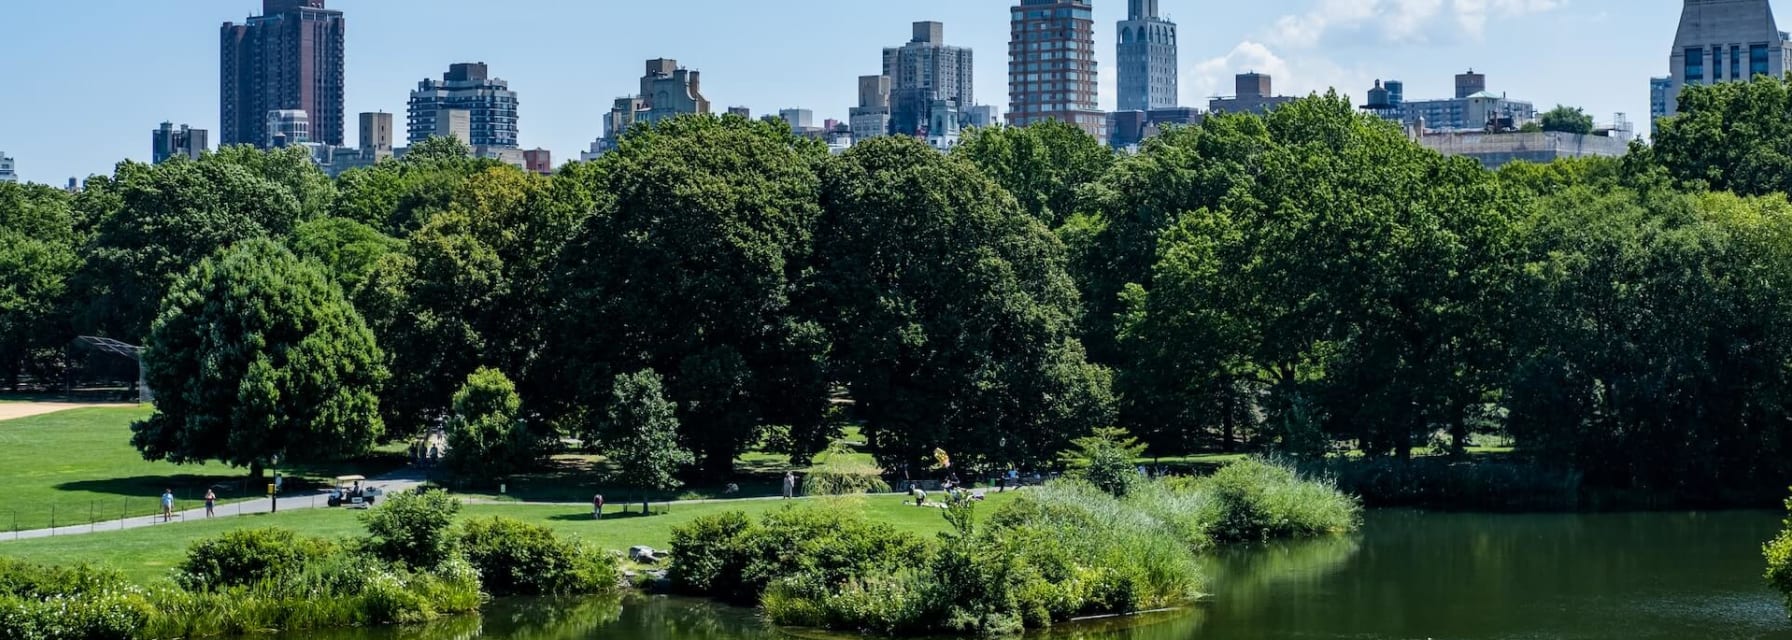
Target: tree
x,y
487,436
1106,458
255,355
640,435
415,529
1567,119
704,226
397,196
950,311
37,257
1730,136
349,251
1043,164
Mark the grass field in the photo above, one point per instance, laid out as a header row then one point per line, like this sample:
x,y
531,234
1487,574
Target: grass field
x,y
78,466
147,554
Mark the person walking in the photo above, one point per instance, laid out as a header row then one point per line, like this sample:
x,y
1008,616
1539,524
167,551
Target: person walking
x,y
789,485
597,507
167,505
211,502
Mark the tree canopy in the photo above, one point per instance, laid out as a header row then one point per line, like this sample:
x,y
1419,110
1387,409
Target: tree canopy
x,y
1567,119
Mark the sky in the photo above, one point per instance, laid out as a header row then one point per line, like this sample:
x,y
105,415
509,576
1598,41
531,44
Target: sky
x,y
83,82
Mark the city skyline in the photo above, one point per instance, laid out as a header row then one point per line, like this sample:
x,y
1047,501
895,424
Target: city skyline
x,y
79,128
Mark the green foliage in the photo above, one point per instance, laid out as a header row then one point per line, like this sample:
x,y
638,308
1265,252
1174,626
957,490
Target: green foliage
x,y
256,355
518,558
1105,459
952,317
708,553
841,472
1043,164
487,436
38,241
640,438
729,557
247,556
1254,499
1779,560
1566,119
413,529
1730,136
348,250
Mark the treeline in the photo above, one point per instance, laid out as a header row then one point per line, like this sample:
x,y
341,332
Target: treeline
x,y
1298,282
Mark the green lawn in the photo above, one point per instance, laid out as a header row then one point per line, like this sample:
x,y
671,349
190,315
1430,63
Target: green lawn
x,y
147,554
78,466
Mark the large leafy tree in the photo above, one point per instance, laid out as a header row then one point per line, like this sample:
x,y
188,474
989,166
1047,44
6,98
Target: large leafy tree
x,y
487,435
702,229
639,435
1043,164
256,354
397,196
38,237
1566,119
951,312
155,222
348,250
1730,136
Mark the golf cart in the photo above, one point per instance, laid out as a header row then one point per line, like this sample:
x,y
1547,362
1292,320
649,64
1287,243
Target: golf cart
x,y
350,493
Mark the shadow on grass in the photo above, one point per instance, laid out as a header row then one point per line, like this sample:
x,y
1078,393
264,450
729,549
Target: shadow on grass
x,y
608,516
185,486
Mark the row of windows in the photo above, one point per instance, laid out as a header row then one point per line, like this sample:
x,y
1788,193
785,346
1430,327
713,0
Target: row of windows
x,y
1078,13
1694,72
1053,107
1035,77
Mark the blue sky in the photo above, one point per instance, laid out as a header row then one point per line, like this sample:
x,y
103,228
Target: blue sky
x,y
86,80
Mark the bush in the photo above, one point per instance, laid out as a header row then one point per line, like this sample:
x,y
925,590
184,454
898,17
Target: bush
x,y
1255,499
74,603
1779,560
413,528
518,558
247,556
1105,459
729,558
706,554
840,472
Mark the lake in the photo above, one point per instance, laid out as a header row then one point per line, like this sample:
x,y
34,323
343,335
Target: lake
x,y
1408,575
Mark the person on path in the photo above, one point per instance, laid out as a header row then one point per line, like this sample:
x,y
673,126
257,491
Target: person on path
x,y
789,485
167,505
597,507
211,501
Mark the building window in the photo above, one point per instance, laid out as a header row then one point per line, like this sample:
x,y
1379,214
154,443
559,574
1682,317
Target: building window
x,y
1717,63
1757,60
1735,62
1695,65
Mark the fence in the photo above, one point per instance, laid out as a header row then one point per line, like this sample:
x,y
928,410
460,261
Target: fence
x,y
68,517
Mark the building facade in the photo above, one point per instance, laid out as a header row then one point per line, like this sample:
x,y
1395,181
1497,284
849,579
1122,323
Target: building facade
x,y
1494,150
1724,41
167,142
872,117
1147,59
288,128
539,161
670,91
923,74
376,134
490,105
1473,109
1252,93
1127,129
290,57
1658,97
1051,65
7,172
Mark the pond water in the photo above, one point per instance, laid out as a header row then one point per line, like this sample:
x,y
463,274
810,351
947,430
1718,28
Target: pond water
x,y
1681,576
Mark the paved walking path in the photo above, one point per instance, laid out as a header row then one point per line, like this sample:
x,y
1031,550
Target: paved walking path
x,y
395,482
14,410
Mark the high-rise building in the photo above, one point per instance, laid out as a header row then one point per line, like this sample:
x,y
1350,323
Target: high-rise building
x,y
923,73
1147,56
290,57
741,111
1470,83
452,123
538,161
983,115
872,117
167,142
288,128
1051,65
1725,41
490,105
1253,93
376,134
670,90
1658,97
7,173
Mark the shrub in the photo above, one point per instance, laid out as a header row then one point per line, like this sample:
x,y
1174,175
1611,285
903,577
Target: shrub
x,y
730,558
518,558
1255,499
413,528
247,556
706,554
841,472
1105,459
1779,560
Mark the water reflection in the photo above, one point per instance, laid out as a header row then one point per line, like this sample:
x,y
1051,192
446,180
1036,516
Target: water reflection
x,y
1679,576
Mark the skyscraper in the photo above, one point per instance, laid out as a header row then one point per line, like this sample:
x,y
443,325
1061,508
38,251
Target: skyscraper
x,y
167,142
467,86
1725,41
872,117
1147,54
1051,65
923,73
376,134
291,57
1658,97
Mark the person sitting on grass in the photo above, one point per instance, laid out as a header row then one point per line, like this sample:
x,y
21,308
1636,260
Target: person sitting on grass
x,y
920,497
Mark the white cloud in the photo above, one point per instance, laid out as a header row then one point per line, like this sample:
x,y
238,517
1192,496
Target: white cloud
x,y
1397,21
1297,76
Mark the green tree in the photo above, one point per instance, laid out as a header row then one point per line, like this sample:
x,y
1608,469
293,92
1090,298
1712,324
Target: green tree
x,y
1043,164
155,222
1106,458
256,355
487,436
37,257
952,315
415,529
348,250
1730,136
1567,119
702,230
397,196
640,435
